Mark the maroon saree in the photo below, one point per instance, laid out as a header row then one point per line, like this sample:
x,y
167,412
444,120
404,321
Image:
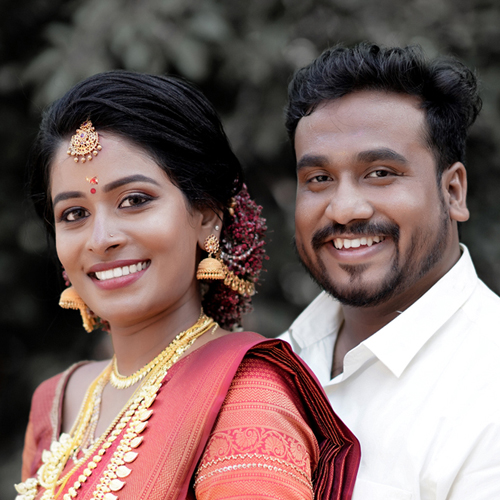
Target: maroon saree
x,y
186,414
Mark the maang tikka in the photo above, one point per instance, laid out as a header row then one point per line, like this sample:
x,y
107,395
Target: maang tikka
x,y
84,143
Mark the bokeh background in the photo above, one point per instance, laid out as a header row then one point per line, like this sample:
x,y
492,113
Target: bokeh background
x,y
242,54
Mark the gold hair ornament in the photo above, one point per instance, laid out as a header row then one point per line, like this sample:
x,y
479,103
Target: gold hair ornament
x,y
84,143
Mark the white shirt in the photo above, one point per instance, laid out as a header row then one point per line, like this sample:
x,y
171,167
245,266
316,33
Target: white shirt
x,y
422,394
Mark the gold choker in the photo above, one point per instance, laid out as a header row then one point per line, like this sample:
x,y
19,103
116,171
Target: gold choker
x,y
119,381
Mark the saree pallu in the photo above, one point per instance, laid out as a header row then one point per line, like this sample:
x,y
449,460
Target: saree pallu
x,y
237,413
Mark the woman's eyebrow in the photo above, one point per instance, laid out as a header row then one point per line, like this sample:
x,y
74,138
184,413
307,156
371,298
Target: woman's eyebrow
x,y
66,196
127,180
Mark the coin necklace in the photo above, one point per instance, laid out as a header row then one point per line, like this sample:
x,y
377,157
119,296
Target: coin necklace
x,y
132,420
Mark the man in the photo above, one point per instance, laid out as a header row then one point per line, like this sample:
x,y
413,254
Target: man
x,y
405,337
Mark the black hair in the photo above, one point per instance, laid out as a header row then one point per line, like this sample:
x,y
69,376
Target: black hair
x,y
165,116
447,90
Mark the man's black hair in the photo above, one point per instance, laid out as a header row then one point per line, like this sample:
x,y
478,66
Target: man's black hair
x,y
446,89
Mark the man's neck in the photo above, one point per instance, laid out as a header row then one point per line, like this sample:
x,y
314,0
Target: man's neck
x,y
358,325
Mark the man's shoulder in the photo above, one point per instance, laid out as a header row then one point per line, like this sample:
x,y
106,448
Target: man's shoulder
x,y
482,310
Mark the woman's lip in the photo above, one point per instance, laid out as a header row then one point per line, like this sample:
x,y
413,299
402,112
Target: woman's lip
x,y
122,281
104,266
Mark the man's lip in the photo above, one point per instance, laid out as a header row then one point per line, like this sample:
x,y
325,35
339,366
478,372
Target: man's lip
x,y
351,237
104,266
358,255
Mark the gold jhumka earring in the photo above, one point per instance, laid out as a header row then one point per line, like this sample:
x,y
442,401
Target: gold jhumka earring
x,y
71,300
211,268
214,269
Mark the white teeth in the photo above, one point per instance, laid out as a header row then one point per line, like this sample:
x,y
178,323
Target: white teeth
x,y
120,271
341,243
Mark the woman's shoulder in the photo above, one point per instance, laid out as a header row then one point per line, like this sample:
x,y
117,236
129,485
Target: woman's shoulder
x,y
49,386
52,388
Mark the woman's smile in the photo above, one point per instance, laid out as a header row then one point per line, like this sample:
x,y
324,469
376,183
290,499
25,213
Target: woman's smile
x,y
118,274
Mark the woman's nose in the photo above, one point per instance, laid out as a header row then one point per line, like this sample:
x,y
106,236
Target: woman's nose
x,y
104,236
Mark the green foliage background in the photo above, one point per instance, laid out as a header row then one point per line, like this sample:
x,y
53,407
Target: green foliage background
x,y
242,54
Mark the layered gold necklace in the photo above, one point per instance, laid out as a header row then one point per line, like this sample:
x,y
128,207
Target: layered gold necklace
x,y
130,422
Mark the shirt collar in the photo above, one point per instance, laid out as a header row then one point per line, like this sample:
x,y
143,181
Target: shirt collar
x,y
397,343
320,319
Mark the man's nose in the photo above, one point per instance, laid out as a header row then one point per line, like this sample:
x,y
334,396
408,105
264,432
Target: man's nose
x,y
349,203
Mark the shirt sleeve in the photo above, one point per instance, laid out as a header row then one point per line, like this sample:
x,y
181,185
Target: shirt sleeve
x,y
261,446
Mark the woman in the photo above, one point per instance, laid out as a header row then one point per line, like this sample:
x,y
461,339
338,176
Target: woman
x,y
134,177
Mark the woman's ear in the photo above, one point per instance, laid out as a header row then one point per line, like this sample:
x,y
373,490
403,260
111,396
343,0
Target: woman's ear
x,y
211,223
454,185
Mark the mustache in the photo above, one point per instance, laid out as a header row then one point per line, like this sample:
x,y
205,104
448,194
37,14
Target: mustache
x,y
362,228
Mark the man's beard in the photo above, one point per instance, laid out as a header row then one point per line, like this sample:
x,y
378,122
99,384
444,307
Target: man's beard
x,y
402,274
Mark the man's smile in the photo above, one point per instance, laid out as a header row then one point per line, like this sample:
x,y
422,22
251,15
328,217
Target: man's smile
x,y
341,243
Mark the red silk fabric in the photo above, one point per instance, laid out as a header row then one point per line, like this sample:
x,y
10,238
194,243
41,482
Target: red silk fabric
x,y
185,415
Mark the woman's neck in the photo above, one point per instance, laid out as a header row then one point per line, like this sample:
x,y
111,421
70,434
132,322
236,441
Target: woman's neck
x,y
136,345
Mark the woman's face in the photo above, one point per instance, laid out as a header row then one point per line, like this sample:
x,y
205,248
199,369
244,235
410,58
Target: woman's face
x,y
124,233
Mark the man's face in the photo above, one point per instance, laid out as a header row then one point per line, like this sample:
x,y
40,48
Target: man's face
x,y
372,222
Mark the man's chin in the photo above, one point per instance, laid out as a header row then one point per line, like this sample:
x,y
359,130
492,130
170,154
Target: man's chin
x,y
360,297
362,293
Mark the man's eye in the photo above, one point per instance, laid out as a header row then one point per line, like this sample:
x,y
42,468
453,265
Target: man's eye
x,y
379,173
320,178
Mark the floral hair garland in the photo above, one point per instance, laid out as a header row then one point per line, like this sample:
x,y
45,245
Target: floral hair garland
x,y
242,250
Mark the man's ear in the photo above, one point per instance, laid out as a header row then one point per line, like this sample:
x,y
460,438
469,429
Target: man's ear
x,y
454,186
211,223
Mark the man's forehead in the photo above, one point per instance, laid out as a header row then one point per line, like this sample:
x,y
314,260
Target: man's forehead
x,y
368,119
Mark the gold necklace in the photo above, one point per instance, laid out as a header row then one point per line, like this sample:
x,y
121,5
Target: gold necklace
x,y
134,415
119,381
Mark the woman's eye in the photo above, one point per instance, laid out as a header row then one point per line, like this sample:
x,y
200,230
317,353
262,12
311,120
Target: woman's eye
x,y
134,200
74,214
